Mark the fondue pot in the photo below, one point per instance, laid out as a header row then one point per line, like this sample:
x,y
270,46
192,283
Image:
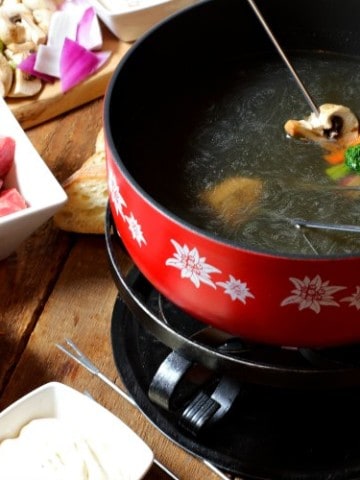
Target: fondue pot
x,y
274,298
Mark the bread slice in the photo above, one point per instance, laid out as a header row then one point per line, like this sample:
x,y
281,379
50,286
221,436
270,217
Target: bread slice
x,y
100,141
87,193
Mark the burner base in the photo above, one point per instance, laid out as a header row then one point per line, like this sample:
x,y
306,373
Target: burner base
x,y
269,433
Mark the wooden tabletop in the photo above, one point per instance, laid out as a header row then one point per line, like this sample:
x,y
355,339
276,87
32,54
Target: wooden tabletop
x,y
58,285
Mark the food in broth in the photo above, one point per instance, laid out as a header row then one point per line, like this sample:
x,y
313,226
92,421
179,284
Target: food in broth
x,y
335,124
236,198
226,127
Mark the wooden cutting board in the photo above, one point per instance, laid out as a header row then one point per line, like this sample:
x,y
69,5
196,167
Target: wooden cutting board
x,y
51,102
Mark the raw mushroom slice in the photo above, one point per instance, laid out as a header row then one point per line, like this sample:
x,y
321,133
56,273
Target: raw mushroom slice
x,y
42,18
11,30
5,3
18,25
13,48
41,11
334,122
6,76
24,85
41,4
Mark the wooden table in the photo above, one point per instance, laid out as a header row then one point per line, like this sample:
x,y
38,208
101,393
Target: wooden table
x,y
59,285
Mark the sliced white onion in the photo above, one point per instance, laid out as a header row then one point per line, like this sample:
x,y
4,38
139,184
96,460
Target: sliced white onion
x,y
63,24
48,60
89,32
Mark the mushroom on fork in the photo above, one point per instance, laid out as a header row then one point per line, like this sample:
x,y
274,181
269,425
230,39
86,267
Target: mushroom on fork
x,y
335,123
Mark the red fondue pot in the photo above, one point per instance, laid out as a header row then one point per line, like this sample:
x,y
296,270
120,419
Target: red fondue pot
x,y
291,300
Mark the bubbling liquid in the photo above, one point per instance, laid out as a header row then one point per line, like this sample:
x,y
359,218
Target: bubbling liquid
x,y
236,128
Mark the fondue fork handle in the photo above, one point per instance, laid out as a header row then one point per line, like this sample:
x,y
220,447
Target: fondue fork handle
x,y
84,361
78,356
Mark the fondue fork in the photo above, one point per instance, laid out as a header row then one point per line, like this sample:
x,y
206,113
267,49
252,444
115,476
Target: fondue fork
x,y
84,361
293,72
78,356
299,223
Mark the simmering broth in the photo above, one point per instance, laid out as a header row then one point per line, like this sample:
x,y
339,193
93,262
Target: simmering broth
x,y
230,124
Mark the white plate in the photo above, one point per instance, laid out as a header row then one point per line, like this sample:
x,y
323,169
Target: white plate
x,y
56,400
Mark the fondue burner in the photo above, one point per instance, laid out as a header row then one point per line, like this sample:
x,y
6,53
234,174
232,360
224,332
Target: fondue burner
x,y
254,411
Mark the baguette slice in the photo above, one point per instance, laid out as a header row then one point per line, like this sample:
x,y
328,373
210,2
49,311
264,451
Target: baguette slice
x,y
87,193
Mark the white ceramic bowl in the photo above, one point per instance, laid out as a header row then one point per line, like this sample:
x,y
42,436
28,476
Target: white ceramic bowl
x,y
129,19
31,176
56,400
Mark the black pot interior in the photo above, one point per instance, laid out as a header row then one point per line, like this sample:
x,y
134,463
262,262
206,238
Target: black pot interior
x,y
159,93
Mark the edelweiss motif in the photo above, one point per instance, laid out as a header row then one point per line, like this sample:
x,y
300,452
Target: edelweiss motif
x,y
116,196
312,294
191,265
354,299
135,229
120,205
236,289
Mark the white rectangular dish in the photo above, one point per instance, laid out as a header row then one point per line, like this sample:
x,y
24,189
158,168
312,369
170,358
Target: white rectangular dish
x,y
34,180
129,19
54,400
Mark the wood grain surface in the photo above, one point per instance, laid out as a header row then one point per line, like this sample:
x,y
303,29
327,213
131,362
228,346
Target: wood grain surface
x,y
58,285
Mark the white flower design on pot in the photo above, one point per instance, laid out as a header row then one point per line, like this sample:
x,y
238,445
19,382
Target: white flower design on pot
x,y
116,196
135,229
354,299
237,289
191,265
120,204
312,294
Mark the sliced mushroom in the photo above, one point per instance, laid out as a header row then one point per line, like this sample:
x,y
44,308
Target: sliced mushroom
x,y
11,29
25,47
4,3
334,122
20,18
24,85
41,4
42,17
6,76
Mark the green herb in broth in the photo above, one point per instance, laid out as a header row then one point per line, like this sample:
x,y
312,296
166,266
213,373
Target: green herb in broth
x,y
239,133
352,158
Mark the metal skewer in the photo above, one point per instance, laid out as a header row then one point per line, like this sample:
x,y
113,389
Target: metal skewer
x,y
298,223
78,356
304,91
84,361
